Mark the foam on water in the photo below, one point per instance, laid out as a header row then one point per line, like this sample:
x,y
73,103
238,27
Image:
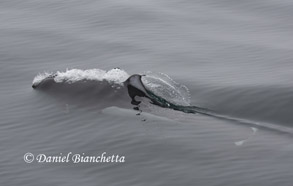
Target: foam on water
x,y
116,76
40,77
239,143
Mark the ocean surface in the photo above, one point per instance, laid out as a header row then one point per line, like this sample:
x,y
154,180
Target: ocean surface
x,y
233,59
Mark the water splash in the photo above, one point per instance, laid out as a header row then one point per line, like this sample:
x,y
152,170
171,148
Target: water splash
x,y
115,75
164,87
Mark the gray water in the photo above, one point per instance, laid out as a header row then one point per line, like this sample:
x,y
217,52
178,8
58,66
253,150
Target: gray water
x,y
234,56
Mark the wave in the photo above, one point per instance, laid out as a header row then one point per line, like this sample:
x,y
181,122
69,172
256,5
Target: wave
x,y
159,88
91,88
116,87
